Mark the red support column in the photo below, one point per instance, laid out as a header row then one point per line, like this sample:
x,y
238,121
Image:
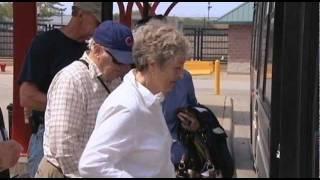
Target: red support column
x,y
125,14
153,8
24,29
128,17
122,11
140,7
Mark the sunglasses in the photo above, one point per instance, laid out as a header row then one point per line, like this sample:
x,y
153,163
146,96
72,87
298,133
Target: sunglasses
x,y
114,60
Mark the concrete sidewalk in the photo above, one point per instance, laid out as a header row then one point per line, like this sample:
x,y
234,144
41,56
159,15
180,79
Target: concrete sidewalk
x,y
6,91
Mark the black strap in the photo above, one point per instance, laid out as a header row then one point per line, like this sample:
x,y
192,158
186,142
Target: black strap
x,y
99,77
103,84
84,62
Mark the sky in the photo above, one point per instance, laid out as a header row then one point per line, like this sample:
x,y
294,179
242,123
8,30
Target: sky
x,y
184,9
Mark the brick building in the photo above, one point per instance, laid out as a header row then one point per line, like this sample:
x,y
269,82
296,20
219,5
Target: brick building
x,y
239,22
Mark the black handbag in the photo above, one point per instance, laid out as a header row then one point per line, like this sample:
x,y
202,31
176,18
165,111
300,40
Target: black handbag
x,y
207,151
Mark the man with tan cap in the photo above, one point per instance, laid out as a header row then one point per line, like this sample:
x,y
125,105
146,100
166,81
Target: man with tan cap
x,y
91,7
49,53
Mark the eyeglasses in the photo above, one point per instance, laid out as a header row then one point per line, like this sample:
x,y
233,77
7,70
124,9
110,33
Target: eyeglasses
x,y
114,60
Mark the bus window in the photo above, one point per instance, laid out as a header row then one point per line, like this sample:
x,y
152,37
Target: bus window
x,y
254,32
264,48
257,46
268,71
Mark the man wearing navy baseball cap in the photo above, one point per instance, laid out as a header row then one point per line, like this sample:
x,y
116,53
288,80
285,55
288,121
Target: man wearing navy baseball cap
x,y
117,38
76,94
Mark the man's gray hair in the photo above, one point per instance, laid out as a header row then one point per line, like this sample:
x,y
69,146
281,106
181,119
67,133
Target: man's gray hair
x,y
160,42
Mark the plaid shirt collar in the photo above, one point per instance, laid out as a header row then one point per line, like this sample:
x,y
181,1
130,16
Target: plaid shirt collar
x,y
93,68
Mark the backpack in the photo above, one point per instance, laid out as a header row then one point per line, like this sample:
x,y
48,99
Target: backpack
x,y
207,151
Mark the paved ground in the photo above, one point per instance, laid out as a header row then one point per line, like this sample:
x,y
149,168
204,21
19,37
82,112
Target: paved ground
x,y
234,96
6,91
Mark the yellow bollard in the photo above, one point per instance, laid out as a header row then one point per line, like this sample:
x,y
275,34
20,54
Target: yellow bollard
x,y
217,76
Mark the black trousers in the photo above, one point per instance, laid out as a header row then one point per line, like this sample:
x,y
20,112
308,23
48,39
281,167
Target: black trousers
x,y
5,174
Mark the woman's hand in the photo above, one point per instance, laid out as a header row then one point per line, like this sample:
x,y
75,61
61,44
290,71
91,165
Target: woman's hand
x,y
9,153
189,121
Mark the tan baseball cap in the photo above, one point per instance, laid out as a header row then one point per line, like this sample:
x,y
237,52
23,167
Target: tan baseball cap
x,y
92,7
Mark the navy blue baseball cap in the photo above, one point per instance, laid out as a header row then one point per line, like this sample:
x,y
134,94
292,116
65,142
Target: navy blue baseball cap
x,y
117,38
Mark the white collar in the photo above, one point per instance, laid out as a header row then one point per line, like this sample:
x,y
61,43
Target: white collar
x,y
147,95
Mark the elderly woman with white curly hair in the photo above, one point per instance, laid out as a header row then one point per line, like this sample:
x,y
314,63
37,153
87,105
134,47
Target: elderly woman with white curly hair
x,y
131,138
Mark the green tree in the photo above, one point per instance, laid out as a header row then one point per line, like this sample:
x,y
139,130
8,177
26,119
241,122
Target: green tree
x,y
45,10
48,9
6,11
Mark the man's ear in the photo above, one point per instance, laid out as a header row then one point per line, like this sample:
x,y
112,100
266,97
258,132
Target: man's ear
x,y
80,13
97,50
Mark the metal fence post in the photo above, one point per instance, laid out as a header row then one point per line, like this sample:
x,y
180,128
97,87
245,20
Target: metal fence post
x,y
217,76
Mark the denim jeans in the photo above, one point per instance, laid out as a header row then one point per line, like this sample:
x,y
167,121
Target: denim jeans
x,y
177,151
35,153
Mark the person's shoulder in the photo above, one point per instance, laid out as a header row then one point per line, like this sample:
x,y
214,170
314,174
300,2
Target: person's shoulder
x,y
125,95
186,83
124,90
73,72
45,38
187,74
48,34
121,99
70,76
187,79
78,70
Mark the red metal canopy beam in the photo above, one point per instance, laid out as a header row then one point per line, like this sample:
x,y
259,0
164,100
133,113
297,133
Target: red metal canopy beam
x,y
154,7
170,8
125,14
140,7
128,14
152,10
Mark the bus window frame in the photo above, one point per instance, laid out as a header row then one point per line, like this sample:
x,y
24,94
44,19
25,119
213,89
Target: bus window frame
x,y
263,56
269,54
